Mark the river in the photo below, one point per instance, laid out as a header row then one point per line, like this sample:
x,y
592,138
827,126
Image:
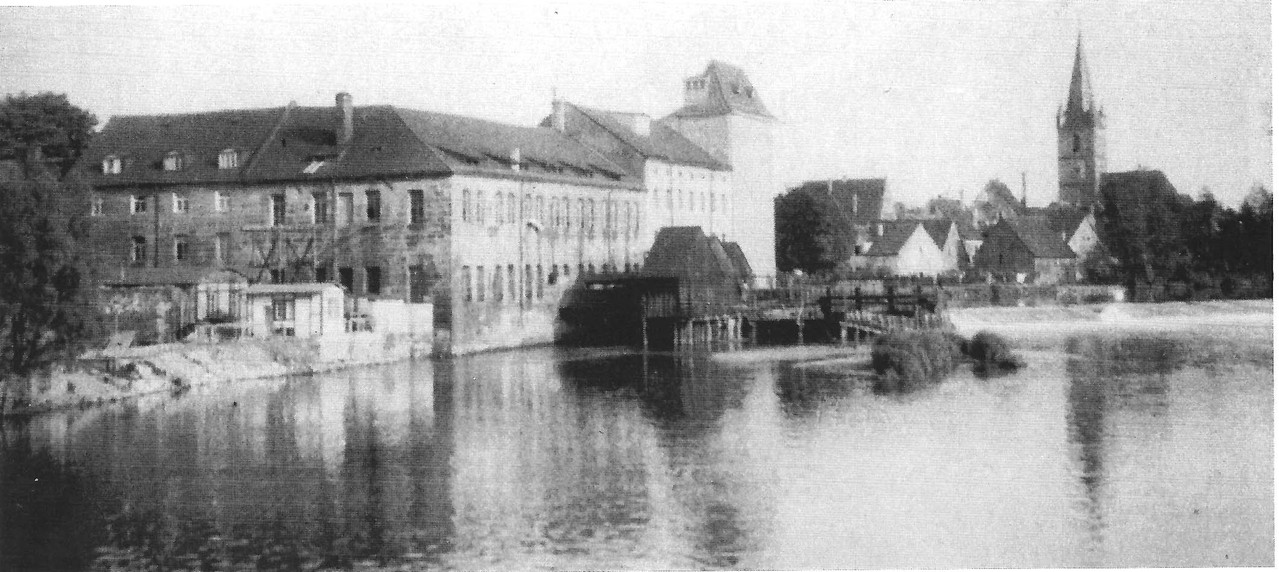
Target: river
x,y
1138,449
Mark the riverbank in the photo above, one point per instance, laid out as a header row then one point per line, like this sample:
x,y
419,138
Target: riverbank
x,y
1027,321
178,367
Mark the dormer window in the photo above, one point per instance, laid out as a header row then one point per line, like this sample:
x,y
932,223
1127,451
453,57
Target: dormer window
x,y
111,165
173,161
750,92
228,159
698,83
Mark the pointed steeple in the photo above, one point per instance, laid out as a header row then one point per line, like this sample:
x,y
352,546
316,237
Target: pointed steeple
x,y
1079,102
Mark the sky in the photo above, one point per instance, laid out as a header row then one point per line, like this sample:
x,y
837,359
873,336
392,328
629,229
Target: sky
x,y
938,97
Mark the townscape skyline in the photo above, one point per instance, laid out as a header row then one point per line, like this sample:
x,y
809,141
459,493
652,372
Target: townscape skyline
x,y
935,97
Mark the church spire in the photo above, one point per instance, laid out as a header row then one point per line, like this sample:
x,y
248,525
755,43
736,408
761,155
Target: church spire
x,y
1079,102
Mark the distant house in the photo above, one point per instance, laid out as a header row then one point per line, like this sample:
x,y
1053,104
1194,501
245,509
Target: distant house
x,y
911,248
1025,251
996,203
1077,227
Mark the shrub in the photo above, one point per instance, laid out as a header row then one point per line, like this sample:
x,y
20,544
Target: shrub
x,y
992,351
926,355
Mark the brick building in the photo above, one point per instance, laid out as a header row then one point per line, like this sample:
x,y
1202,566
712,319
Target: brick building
x,y
490,222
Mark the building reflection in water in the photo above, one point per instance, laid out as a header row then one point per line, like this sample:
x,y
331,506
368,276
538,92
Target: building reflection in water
x,y
1110,377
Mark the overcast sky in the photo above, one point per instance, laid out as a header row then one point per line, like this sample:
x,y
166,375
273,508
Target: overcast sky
x,y
935,96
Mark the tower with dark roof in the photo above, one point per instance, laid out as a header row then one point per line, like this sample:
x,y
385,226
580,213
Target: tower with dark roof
x,y
724,114
1081,149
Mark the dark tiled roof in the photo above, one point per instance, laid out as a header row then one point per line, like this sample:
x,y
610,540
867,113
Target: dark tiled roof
x,y
299,143
1152,182
143,141
729,91
172,276
1041,239
686,252
1059,218
661,143
738,258
475,145
896,233
938,230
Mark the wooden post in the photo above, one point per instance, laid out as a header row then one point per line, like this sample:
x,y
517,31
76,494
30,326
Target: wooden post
x,y
644,319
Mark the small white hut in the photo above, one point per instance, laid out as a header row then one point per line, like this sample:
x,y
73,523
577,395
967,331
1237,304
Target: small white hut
x,y
297,310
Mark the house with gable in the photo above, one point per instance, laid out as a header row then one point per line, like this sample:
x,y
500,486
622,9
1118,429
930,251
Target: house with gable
x,y
928,247
1076,227
1025,251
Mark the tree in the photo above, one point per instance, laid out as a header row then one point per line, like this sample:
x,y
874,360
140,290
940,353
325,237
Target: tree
x,y
44,125
806,238
1140,224
43,291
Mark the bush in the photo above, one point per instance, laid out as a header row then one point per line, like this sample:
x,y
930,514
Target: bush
x,y
927,355
992,351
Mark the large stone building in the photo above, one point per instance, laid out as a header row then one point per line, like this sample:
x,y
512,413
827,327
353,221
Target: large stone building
x,y
723,113
490,222
1081,142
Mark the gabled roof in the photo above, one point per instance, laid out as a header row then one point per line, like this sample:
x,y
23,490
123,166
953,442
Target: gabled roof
x,y
938,230
1039,238
300,143
662,142
728,91
686,252
738,258
895,235
1059,219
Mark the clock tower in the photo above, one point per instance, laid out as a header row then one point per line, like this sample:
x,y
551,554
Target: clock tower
x,y
1081,148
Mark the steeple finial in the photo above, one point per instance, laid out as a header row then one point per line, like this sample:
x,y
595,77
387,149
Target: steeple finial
x,y
1079,101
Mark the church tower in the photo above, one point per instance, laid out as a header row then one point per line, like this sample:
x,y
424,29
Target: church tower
x,y
1081,143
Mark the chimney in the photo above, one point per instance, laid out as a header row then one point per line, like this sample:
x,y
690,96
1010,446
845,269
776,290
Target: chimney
x,y
346,115
559,116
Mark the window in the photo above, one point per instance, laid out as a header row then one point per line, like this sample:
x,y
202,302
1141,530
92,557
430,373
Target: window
x,y
228,159
510,281
321,274
277,210
417,207
346,206
480,207
670,199
528,281
499,289
180,204
419,284
467,289
137,204
373,280
568,207
95,206
479,283
541,279
541,211
373,206
581,214
138,250
180,247
512,208
221,202
566,274
281,308
319,208
111,165
591,203
466,206
277,276
173,161
221,247
500,215
346,277
1076,143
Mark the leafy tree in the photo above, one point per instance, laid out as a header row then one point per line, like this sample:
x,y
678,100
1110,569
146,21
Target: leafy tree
x,y
1140,224
43,291
806,238
44,125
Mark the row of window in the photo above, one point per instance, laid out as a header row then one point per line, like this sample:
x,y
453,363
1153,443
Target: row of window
x,y
556,212
319,207
181,250
703,202
505,284
173,161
